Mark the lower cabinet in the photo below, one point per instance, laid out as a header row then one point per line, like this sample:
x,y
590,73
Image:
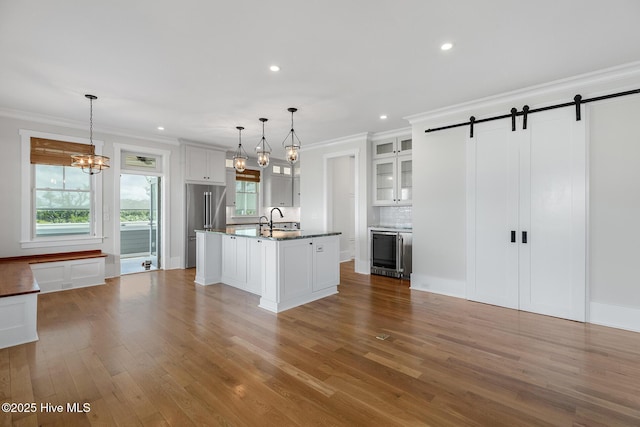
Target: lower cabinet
x,y
242,263
285,273
326,262
254,266
234,261
299,271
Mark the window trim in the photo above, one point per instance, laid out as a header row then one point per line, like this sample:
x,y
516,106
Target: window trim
x,y
27,234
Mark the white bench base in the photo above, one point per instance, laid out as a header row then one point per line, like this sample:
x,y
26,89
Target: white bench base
x,y
18,319
62,275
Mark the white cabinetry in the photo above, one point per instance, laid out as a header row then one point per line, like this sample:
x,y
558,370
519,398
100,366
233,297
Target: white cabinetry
x,y
326,255
392,147
526,215
231,187
234,261
392,181
70,274
255,270
205,165
279,185
299,271
279,191
208,258
296,191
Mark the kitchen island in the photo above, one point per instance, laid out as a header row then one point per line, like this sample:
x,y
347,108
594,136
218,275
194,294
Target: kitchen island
x,y
286,268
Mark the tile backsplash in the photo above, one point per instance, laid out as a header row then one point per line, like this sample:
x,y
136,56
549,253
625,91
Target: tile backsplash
x,y
394,216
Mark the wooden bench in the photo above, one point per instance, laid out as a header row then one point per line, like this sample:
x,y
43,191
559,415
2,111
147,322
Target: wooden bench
x,y
21,279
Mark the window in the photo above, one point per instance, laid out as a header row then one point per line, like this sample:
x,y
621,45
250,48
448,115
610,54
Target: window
x,y
246,198
62,201
61,205
247,186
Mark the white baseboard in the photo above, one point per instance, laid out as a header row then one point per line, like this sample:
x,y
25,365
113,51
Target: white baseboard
x,y
362,267
438,285
614,316
174,263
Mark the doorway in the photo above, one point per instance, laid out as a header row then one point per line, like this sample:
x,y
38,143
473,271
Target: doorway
x,y
140,236
341,215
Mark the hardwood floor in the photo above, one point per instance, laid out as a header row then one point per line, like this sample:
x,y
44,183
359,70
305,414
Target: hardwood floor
x,y
155,349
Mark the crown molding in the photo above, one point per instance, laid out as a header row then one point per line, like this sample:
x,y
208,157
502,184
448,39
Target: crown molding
x,y
202,144
394,133
622,77
358,137
57,121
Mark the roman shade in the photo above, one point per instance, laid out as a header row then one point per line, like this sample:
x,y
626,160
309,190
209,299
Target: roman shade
x,y
57,153
248,175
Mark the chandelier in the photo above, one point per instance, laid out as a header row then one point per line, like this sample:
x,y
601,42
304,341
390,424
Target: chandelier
x,y
240,157
291,150
263,149
90,163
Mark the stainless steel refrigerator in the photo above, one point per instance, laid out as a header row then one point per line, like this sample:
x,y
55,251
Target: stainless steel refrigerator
x,y
205,210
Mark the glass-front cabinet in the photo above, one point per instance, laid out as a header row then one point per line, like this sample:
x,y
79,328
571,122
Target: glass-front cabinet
x,y
392,172
391,147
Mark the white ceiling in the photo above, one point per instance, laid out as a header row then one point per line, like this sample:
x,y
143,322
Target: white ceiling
x,y
200,68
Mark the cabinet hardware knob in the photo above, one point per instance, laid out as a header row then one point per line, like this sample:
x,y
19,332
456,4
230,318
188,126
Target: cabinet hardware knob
x,y
513,236
524,237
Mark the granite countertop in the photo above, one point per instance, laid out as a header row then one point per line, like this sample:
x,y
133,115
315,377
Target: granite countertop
x,y
390,228
275,235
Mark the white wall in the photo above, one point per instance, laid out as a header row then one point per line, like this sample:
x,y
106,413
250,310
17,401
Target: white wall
x,y
10,214
313,191
614,205
439,215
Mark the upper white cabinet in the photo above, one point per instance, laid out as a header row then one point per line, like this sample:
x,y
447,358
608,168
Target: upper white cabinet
x,y
205,165
392,147
231,187
526,215
392,171
278,186
296,191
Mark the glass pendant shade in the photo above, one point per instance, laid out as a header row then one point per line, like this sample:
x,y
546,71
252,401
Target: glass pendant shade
x,y
263,149
292,147
263,159
292,153
240,156
90,163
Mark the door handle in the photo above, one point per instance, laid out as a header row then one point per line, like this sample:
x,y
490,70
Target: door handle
x,y
524,237
513,236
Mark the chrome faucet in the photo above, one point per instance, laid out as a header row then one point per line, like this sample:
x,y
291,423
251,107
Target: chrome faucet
x,y
271,218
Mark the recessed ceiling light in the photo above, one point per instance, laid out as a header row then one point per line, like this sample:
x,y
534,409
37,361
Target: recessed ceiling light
x,y
383,117
274,68
160,128
446,46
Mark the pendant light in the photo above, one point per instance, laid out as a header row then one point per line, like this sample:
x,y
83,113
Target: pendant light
x,y
263,149
291,150
240,157
90,163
